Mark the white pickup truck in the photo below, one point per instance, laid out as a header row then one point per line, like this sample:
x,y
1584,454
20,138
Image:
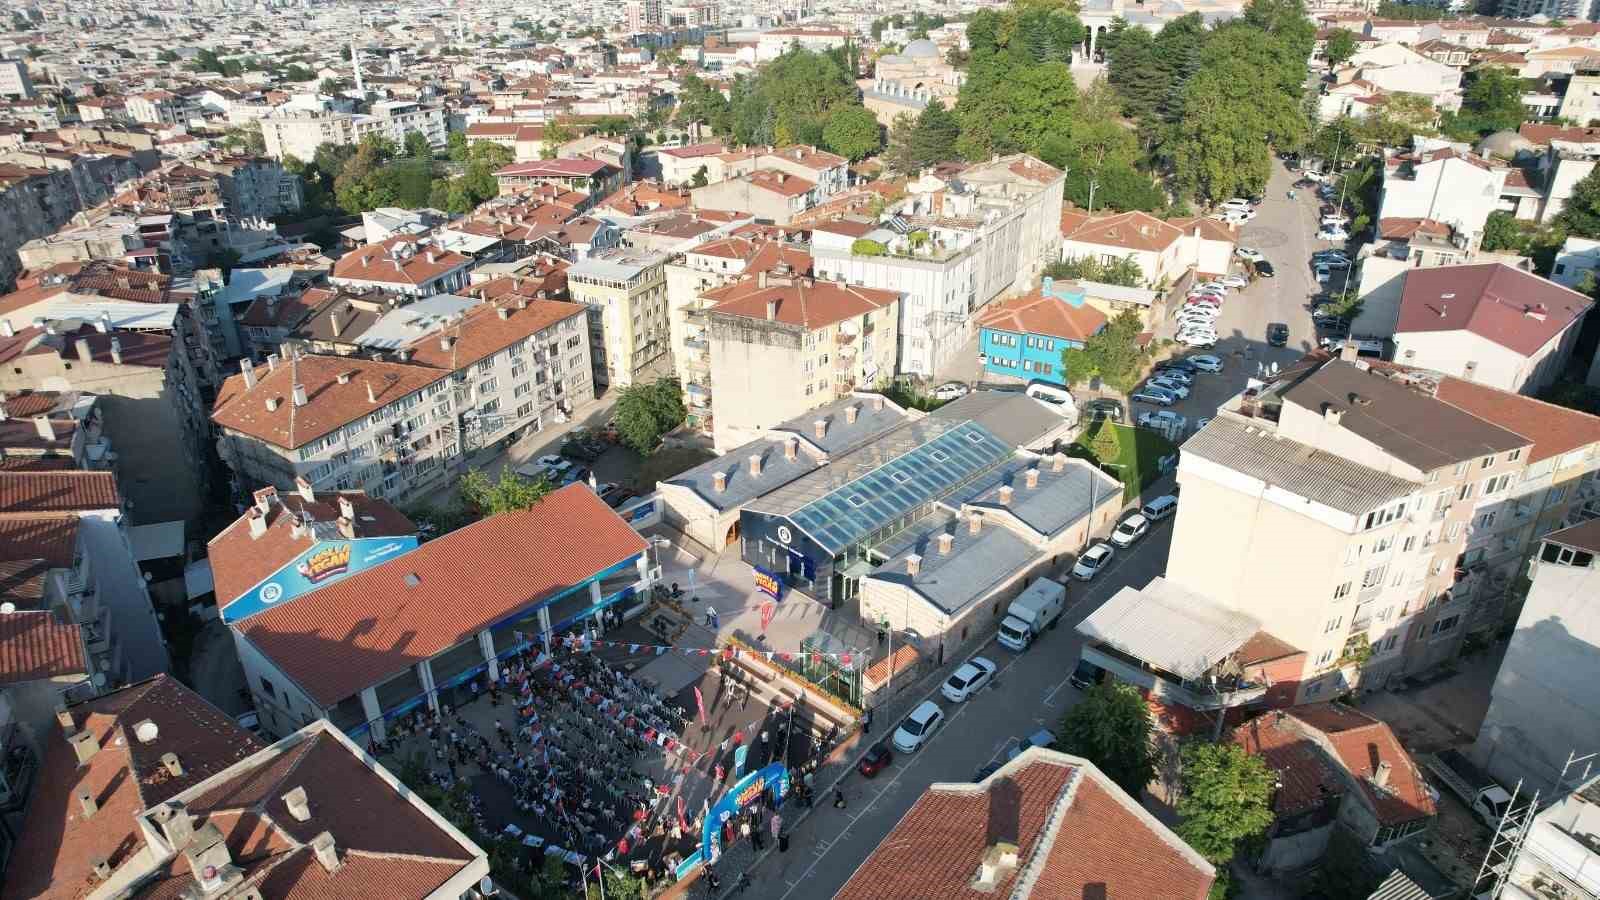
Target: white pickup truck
x,y
1482,794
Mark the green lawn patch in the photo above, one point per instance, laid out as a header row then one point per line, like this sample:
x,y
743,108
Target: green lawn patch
x,y
1131,455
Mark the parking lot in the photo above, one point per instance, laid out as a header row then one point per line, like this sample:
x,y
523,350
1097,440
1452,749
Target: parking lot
x,y
1284,231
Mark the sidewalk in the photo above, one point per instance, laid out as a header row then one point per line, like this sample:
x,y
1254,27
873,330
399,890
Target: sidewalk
x,y
593,414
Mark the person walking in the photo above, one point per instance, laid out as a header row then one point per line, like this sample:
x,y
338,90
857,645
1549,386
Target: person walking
x,y
838,799
866,722
757,839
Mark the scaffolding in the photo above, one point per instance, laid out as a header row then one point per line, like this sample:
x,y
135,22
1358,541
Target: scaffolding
x,y
1501,858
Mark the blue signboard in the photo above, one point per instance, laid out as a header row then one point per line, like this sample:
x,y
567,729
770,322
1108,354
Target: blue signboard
x,y
769,583
325,563
745,792
643,511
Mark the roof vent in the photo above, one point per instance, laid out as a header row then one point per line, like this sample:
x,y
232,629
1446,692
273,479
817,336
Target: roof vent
x,y
998,861
852,412
1006,492
326,851
85,745
172,764
412,580
913,565
146,731
102,869
300,395
820,428
175,823
299,804
719,481
1030,478
272,403
86,801
974,524
946,542
346,508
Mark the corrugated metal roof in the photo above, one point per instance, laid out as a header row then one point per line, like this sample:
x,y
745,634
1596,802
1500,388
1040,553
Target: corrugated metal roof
x,y
1169,627
1254,449
1398,887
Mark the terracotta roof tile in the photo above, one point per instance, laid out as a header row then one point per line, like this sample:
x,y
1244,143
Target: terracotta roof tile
x,y
416,263
1077,835
35,646
330,404
482,332
1038,314
800,300
50,538
353,634
240,562
1515,309
1362,743
1305,779
57,492
1130,230
1554,430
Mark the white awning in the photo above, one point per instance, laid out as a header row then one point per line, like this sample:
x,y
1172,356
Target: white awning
x,y
160,540
1170,628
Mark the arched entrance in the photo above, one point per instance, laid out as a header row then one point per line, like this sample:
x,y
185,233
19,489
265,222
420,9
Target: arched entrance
x,y
733,534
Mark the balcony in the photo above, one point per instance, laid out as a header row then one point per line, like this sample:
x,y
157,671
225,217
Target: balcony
x,y
1226,693
699,345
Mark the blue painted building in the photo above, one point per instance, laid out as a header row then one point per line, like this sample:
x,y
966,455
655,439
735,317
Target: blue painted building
x,y
1023,338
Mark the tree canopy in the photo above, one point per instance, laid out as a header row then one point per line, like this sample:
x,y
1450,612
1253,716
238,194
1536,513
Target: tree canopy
x,y
1227,798
1492,101
851,132
1340,47
789,101
510,493
647,411
1581,215
1114,354
1111,727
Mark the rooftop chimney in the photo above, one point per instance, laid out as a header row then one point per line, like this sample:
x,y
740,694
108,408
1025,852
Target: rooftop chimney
x,y
1349,351
258,523
851,412
1058,461
265,498
1380,775
175,823
347,528
64,719
116,350
820,428
719,481
772,308
755,465
326,851
297,526
877,402
298,803
299,395
303,488
998,861
103,324
1005,494
102,869
791,449
333,320
372,396
343,378
1030,478
172,764
446,342
248,370
1331,414
86,801
346,508
84,352
272,403
41,424
504,312
85,745
761,279
913,565
974,524
946,541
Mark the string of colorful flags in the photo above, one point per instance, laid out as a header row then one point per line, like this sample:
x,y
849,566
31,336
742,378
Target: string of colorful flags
x,y
585,644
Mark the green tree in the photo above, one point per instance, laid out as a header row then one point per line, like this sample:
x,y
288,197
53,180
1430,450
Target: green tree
x,y
417,146
1111,727
1227,798
1502,232
456,146
1492,101
698,101
246,139
167,56
510,493
700,178
1341,46
934,139
645,412
791,98
1345,304
1581,216
1114,354
555,134
851,132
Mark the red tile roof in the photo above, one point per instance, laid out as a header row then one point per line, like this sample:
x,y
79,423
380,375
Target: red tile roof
x,y
1554,430
56,845
780,182
481,332
1400,228
35,646
556,168
57,492
330,405
1077,834
1361,743
401,259
1130,230
335,641
1038,314
1517,310
1305,778
240,562
800,300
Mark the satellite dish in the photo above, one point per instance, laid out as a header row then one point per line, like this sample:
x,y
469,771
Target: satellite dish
x,y
1274,368
8,608
146,731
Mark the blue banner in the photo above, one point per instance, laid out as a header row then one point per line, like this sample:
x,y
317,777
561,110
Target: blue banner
x,y
739,754
325,563
745,792
769,583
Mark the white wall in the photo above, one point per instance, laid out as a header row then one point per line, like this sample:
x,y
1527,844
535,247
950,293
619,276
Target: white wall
x,y
122,588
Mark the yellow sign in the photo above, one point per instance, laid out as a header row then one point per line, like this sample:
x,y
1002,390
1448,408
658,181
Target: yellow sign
x,y
325,563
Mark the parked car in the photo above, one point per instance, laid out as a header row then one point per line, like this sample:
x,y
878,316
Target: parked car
x,y
1234,280
968,680
1203,339
1264,269
1172,387
1179,364
1333,234
1249,254
1184,377
1329,255
950,390
1322,273
1159,508
605,488
1277,334
1238,203
1093,561
1152,394
1209,300
1131,529
1163,418
877,758
1238,217
918,727
1206,362
1313,175
619,497
1104,408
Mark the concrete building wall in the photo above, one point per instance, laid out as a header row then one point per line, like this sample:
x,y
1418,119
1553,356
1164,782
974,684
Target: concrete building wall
x,y
122,588
740,195
1491,364
282,704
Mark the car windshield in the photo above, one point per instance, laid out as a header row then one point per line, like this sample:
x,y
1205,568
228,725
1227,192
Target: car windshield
x,y
961,679
912,726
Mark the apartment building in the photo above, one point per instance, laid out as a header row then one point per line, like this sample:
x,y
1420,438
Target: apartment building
x,y
14,80
297,132
694,274
405,264
396,427
989,230
1351,491
34,202
43,666
782,343
626,295
1455,189
1540,712
150,403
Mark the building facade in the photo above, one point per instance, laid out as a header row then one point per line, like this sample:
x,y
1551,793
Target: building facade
x,y
626,296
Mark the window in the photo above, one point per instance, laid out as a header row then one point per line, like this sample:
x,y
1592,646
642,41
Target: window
x,y
1333,624
1465,493
1342,591
1487,462
1382,545
1487,519
1324,659
1461,469
1557,494
1384,516
1566,556
1316,686
1446,624
266,688
1373,577
1453,532
1497,484
1388,643
1514,455
1409,544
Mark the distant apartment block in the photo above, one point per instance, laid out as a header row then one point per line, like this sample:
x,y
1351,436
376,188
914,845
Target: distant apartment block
x,y
299,133
626,295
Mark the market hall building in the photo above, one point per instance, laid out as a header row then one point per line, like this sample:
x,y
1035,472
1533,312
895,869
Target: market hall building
x,y
406,633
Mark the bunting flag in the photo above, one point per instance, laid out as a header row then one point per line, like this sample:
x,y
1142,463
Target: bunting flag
x,y
767,610
584,644
700,702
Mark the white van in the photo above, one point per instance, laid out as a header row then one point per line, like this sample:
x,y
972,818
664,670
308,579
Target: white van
x,y
1052,394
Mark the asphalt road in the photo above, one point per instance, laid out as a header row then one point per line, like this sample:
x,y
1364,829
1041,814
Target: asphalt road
x,y
1028,693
